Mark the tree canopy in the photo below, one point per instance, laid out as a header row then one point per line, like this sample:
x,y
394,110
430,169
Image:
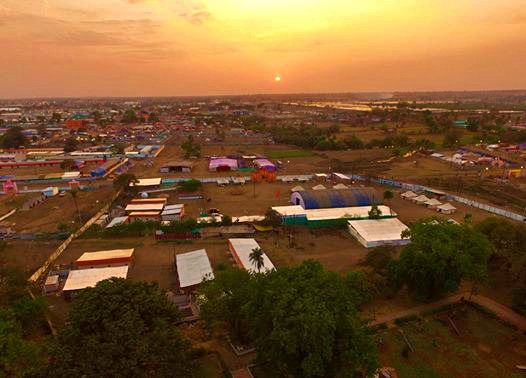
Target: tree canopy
x,y
190,147
122,181
440,255
14,138
303,320
120,328
70,144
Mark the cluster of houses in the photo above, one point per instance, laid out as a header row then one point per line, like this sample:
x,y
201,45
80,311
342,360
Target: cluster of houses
x,y
149,209
235,163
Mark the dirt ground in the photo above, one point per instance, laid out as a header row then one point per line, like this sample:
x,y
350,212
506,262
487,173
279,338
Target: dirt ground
x,y
486,347
27,255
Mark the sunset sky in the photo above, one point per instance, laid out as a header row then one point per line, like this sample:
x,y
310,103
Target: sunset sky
x,y
202,47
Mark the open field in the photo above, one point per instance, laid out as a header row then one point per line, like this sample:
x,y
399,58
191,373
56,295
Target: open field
x,y
486,347
46,216
27,255
276,154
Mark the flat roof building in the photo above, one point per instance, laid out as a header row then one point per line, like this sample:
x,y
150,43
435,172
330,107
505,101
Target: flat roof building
x,y
83,278
241,250
193,267
373,233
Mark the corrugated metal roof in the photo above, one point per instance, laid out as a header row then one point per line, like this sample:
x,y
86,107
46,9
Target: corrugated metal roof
x,y
378,229
243,248
83,278
106,255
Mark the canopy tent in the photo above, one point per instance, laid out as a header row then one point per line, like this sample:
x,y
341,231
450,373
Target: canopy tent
x,y
297,188
340,186
433,203
319,199
420,199
319,187
222,164
373,233
409,194
446,208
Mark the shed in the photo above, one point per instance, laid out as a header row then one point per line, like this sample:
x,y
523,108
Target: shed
x,y
446,208
373,233
83,278
144,207
151,182
51,284
192,268
173,212
241,250
115,257
145,216
177,166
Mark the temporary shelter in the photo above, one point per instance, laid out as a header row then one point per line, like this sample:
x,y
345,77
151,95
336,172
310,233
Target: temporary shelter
x,y
51,284
446,208
116,257
319,199
116,221
433,203
177,166
222,165
83,278
319,187
193,267
241,250
408,195
422,199
373,233
264,164
340,186
297,188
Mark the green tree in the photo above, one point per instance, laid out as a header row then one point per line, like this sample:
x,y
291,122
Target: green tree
x,y
70,144
375,212
227,220
272,218
129,116
440,255
191,148
122,182
56,118
120,328
153,118
388,196
14,138
256,258
303,320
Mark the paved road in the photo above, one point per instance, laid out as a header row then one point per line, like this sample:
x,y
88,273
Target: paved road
x,y
502,311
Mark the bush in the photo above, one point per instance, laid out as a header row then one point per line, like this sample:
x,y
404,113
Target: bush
x,y
227,220
190,185
519,300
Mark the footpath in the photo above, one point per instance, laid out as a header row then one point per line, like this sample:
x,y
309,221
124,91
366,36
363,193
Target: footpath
x,y
503,312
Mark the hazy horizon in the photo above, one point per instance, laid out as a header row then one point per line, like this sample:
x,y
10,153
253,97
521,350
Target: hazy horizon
x,y
185,48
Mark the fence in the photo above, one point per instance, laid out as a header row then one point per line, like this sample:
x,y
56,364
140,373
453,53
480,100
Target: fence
x,y
421,188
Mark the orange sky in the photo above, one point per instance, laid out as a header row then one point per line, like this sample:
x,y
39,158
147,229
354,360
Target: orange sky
x,y
201,47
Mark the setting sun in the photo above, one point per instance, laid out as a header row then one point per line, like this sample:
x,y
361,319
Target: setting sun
x,y
278,78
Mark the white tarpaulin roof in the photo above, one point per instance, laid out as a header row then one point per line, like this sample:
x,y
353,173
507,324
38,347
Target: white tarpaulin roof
x,y
421,198
193,267
344,212
243,248
319,187
298,188
433,202
409,194
83,278
447,206
340,186
145,207
147,182
289,210
106,255
378,229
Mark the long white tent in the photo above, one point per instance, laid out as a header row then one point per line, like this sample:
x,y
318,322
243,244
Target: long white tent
x,y
193,267
83,278
377,232
241,250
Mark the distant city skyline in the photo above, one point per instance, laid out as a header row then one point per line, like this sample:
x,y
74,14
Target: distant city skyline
x,y
62,48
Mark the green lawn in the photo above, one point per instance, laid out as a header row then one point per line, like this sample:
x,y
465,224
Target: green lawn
x,y
277,154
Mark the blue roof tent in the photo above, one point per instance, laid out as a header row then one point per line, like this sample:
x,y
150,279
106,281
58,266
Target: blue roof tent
x,y
334,198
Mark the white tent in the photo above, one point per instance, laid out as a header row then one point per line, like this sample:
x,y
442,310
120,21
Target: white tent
x,y
83,278
433,203
446,208
297,188
319,187
409,194
193,267
420,199
340,186
373,233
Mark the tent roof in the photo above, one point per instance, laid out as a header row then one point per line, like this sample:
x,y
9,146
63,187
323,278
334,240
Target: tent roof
x,y
379,229
193,267
433,202
243,248
83,278
421,198
409,194
319,187
447,206
297,188
106,255
340,186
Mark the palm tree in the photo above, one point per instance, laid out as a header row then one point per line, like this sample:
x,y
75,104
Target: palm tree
x,y
74,196
256,258
388,195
